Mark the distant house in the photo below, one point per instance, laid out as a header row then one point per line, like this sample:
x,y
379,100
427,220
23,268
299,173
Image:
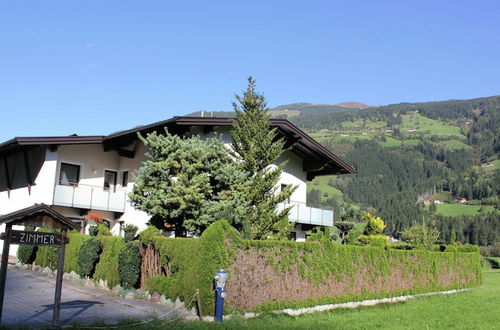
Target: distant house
x,y
427,202
461,200
78,175
437,201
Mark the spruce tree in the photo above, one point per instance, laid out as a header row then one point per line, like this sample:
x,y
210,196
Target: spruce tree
x,y
189,183
257,149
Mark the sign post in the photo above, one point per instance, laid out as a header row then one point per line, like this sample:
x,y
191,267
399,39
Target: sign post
x,y
38,215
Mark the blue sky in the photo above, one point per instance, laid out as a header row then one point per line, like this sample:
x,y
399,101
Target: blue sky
x,y
94,67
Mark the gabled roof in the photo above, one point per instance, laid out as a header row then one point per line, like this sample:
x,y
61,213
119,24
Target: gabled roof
x,y
28,213
318,160
19,143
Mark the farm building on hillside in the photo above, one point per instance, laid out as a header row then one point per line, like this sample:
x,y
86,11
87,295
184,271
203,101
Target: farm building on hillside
x,y
78,175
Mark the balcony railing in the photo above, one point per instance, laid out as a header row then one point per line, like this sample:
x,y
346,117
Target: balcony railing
x,y
301,213
90,197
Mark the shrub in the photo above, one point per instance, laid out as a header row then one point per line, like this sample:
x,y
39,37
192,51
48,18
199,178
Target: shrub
x,y
146,236
374,225
93,230
374,240
129,265
129,232
26,254
103,229
87,256
72,248
401,246
420,235
107,267
47,256
163,285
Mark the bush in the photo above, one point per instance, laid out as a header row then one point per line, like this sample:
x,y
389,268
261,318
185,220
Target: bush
x,y
129,265
401,246
72,248
374,240
26,254
88,255
146,236
129,232
107,267
374,225
163,285
47,256
93,230
103,229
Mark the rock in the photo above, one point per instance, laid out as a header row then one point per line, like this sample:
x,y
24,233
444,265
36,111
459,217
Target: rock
x,y
194,311
26,267
46,271
155,297
73,275
147,296
130,295
102,284
166,302
178,303
36,268
116,289
88,283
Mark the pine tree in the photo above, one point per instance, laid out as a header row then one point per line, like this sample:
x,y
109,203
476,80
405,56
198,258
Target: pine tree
x,y
190,183
256,148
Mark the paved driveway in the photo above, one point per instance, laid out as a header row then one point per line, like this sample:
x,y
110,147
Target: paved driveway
x,y
29,299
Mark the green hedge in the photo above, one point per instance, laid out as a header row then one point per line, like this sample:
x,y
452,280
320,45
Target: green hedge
x,y
194,262
26,254
129,265
71,254
88,255
107,267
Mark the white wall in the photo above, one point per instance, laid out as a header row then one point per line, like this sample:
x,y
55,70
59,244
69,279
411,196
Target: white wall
x,y
41,192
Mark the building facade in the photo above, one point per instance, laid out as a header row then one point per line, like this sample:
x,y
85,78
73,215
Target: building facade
x,y
78,175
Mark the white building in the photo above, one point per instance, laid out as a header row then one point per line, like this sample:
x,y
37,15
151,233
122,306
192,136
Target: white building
x,y
77,175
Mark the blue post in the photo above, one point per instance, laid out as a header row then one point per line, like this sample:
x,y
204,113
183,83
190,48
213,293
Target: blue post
x,y
219,305
220,284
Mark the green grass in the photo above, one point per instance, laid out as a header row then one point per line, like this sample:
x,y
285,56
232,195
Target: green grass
x,y
454,144
461,209
477,308
426,125
321,183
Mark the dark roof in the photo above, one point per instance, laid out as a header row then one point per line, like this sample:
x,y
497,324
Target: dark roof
x,y
20,143
325,161
318,160
22,215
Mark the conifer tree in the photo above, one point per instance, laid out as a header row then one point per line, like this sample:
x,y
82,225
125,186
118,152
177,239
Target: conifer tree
x,y
189,183
256,148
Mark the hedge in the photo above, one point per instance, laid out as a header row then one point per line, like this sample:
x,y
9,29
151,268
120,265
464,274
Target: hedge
x,y
267,275
107,267
271,268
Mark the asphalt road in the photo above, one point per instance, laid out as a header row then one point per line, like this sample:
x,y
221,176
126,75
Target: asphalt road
x,y
29,299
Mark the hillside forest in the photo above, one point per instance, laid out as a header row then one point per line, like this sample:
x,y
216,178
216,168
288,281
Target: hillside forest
x,y
433,163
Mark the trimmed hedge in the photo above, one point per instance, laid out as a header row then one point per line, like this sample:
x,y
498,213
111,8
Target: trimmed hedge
x,y
87,257
129,265
107,267
71,254
361,272
26,254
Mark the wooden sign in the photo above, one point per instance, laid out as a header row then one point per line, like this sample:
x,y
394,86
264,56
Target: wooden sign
x,y
36,238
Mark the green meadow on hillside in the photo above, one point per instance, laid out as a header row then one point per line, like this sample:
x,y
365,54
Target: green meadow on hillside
x,y
462,209
321,183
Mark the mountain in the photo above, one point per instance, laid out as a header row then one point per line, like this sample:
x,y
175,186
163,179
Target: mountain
x,y
354,105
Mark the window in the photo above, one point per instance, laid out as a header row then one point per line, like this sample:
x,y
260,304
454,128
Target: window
x,y
69,174
109,180
124,178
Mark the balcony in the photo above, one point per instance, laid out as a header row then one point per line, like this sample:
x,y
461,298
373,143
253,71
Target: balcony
x,y
90,197
301,213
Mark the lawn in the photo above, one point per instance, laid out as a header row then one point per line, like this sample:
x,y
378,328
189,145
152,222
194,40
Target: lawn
x,y
426,125
461,209
478,308
321,183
